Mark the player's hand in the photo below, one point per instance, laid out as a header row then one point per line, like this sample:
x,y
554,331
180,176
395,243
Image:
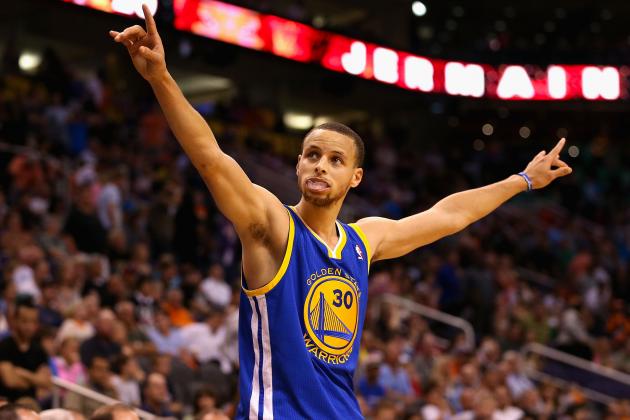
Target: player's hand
x,y
144,47
545,167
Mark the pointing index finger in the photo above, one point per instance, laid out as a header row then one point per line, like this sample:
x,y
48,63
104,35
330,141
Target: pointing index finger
x,y
556,150
150,22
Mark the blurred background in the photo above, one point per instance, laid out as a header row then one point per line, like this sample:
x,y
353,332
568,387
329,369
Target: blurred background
x,y
118,269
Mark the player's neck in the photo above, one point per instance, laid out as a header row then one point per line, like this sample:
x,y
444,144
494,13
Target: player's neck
x,y
321,220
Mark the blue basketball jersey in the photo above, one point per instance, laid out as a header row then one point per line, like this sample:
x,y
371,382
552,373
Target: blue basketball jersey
x,y
299,335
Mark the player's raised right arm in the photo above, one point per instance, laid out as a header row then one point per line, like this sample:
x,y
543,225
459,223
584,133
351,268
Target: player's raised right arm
x,y
246,205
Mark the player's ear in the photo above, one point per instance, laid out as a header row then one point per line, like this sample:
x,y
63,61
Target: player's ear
x,y
357,176
297,165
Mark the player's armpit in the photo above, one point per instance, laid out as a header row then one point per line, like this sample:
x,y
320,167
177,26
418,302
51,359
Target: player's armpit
x,y
395,238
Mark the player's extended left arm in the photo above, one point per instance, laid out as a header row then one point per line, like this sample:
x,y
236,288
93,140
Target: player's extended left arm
x,y
394,238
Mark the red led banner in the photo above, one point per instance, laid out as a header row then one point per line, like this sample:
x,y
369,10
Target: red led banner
x,y
299,42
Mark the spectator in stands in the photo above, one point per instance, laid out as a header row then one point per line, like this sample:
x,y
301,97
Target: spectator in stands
x,y
102,343
621,358
392,376
436,406
573,336
60,414
136,336
24,273
127,380
619,410
212,414
99,379
215,289
425,356
7,300
161,220
468,380
84,225
165,337
386,410
174,307
68,364
70,279
52,239
17,412
140,262
206,340
205,400
144,299
618,322
23,361
369,386
156,395
110,200
76,325
532,404
505,410
517,382
49,314
115,412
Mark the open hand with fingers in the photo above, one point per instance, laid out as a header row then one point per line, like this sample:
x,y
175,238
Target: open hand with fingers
x,y
144,46
545,167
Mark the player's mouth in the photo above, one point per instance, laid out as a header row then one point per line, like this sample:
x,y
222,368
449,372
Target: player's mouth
x,y
317,184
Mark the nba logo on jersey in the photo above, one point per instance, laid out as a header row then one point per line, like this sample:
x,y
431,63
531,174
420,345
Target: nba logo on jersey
x,y
359,253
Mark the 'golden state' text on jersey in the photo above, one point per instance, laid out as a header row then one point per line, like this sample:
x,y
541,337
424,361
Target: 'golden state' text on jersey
x,y
299,335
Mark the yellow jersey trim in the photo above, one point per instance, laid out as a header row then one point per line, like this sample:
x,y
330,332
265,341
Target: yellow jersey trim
x,y
361,234
281,271
334,253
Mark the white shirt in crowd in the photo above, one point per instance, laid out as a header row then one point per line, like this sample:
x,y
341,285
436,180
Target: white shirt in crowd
x,y
81,330
110,196
207,345
508,413
216,291
24,281
128,390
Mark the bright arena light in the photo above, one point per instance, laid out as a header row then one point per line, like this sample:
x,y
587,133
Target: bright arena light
x,y
574,151
418,8
298,121
322,119
29,61
487,129
524,132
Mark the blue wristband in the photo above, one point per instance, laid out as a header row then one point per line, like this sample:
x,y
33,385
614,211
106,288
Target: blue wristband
x,y
528,180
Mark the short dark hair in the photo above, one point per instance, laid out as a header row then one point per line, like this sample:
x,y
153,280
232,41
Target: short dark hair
x,y
96,357
204,392
23,301
346,131
10,411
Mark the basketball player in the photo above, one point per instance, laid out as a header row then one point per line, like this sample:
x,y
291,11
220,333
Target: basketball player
x,y
305,273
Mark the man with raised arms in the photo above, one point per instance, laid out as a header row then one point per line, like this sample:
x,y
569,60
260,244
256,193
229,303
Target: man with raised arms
x,y
304,272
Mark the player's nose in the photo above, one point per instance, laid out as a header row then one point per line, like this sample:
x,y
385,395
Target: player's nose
x,y
321,166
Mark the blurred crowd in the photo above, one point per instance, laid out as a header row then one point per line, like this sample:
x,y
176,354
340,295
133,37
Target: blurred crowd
x,y
119,274
117,411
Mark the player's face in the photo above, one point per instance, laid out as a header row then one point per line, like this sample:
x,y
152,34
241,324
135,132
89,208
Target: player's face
x,y
326,168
